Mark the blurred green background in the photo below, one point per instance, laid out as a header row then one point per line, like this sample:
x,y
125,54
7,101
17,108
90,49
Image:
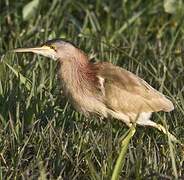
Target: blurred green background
x,y
40,134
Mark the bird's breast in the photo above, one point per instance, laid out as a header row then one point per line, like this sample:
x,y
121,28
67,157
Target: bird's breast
x,y
82,92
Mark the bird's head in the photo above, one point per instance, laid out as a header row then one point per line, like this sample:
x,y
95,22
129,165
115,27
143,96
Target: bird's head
x,y
55,49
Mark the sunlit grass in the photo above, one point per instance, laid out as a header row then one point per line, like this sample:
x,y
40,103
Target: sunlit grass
x,y
42,136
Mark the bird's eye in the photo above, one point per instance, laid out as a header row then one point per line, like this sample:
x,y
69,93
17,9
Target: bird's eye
x,y
53,47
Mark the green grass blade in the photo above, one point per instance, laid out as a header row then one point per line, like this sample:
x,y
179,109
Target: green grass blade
x,y
126,24
121,158
23,79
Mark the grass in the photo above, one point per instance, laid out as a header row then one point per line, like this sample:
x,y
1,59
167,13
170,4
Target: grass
x,y
42,136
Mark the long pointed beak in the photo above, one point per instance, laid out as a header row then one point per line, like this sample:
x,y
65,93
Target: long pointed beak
x,y
36,50
43,50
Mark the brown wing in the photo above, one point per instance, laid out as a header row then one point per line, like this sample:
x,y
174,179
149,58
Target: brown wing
x,y
126,92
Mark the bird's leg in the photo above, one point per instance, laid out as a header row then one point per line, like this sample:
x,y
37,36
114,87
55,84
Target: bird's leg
x,y
162,129
129,124
171,136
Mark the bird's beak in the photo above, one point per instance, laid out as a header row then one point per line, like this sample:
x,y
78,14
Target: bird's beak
x,y
43,50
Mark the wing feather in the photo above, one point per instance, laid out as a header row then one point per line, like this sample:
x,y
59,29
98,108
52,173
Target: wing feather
x,y
125,92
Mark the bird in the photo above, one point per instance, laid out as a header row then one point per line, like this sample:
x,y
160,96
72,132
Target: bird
x,y
102,88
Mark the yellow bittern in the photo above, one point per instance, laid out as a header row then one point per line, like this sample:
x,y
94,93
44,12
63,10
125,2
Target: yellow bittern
x,y
103,88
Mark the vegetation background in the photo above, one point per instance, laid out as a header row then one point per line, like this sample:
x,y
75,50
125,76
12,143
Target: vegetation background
x,y
40,134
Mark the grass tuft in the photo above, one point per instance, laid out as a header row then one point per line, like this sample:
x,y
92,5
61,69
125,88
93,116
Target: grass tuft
x,y
42,136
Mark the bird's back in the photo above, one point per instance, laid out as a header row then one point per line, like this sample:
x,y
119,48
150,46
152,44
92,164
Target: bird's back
x,y
128,94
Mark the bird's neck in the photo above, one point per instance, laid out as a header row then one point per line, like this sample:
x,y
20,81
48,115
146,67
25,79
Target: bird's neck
x,y
78,74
